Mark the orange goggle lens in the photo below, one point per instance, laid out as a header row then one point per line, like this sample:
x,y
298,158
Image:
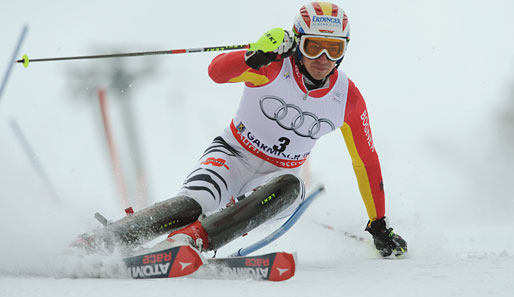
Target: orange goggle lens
x,y
314,47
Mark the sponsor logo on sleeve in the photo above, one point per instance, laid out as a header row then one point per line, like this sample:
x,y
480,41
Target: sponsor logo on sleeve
x,y
218,162
367,130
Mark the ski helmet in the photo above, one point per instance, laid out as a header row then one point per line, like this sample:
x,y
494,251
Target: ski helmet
x,y
322,19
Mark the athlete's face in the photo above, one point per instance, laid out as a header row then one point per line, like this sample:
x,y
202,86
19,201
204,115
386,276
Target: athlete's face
x,y
318,68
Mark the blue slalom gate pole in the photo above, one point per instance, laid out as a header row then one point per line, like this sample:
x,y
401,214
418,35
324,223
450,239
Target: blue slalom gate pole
x,y
282,229
12,61
31,155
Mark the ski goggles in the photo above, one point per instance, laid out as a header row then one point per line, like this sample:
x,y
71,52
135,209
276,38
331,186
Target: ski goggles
x,y
313,47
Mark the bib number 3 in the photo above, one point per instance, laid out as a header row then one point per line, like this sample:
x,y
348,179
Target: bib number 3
x,y
281,147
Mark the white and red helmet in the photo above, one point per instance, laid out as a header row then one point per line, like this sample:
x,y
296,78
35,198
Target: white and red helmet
x,y
322,19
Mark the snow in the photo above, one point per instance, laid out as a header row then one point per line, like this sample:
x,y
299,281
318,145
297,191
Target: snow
x,y
437,77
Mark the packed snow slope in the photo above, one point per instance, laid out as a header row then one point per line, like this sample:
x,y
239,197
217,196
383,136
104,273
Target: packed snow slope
x,y
438,80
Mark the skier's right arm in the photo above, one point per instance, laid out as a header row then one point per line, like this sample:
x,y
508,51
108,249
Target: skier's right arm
x,y
254,67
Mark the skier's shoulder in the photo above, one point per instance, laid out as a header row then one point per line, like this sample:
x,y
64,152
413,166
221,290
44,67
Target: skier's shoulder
x,y
355,103
353,92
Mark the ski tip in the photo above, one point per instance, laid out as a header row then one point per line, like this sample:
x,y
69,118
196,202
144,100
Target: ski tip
x,y
284,267
168,263
187,261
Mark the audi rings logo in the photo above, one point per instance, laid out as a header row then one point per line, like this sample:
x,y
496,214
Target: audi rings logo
x,y
292,117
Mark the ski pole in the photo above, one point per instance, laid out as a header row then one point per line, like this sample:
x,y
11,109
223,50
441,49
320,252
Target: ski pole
x,y
25,59
268,42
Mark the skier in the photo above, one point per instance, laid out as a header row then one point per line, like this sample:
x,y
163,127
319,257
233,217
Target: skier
x,y
294,94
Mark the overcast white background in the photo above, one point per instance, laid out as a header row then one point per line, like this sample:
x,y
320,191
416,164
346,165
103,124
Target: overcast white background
x,y
438,79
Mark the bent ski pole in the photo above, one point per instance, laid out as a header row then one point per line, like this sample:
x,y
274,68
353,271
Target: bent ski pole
x,y
268,42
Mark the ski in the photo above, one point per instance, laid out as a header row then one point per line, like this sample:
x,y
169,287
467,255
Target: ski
x,y
277,266
173,262
185,260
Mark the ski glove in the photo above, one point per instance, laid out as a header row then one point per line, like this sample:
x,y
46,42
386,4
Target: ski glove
x,y
385,240
265,51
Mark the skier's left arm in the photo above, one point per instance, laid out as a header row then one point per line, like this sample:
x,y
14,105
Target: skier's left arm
x,y
359,141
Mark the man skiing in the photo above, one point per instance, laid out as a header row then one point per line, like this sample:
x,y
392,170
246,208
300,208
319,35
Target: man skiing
x,y
294,94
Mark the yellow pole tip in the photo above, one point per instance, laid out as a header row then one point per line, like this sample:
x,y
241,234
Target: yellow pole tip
x,y
25,61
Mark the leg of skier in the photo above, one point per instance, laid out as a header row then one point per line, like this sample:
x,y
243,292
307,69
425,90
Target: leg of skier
x,y
276,198
218,176
256,182
142,226
222,174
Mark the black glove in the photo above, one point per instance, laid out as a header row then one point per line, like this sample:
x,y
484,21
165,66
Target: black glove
x,y
386,241
258,58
